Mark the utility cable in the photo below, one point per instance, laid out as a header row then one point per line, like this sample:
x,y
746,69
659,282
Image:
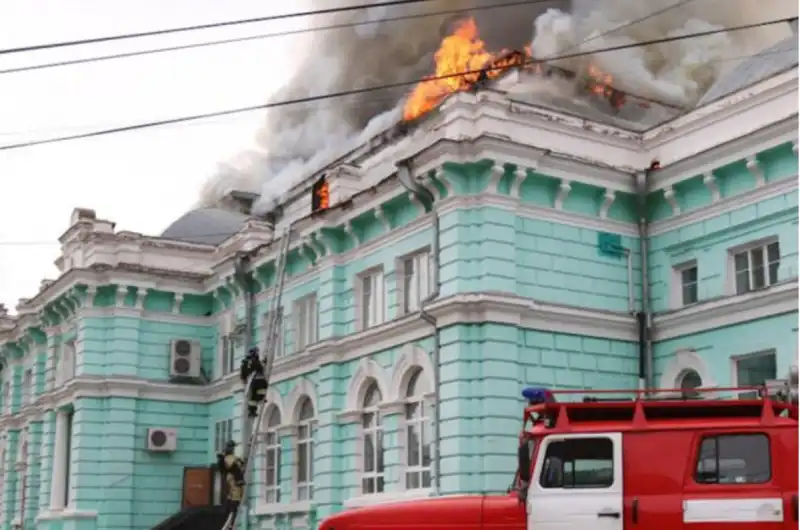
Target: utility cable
x,y
352,92
168,31
262,36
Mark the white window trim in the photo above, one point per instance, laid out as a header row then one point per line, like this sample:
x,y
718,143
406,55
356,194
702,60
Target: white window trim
x,y
730,281
378,432
300,325
402,273
426,399
734,362
275,430
359,297
311,424
28,381
221,428
65,363
676,285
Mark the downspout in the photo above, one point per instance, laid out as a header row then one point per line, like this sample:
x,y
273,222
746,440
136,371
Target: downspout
x,y
645,316
405,175
241,268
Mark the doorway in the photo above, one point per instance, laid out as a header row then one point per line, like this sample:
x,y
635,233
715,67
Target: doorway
x,y
198,487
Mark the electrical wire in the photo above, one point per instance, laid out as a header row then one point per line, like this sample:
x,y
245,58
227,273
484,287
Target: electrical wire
x,y
351,92
168,31
71,62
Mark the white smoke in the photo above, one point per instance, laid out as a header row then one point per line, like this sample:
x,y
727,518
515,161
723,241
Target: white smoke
x,y
678,72
298,139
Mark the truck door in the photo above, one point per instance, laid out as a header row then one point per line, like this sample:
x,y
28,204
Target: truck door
x,y
577,483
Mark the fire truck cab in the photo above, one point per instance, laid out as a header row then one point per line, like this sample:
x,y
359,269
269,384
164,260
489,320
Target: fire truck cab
x,y
656,461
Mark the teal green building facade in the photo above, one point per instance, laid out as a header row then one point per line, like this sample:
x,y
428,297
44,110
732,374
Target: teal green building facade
x,y
533,275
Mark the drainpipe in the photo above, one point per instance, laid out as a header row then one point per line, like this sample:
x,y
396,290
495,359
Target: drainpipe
x,y
405,175
645,317
241,267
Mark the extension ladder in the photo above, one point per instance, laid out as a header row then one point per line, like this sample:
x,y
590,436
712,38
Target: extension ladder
x,y
273,335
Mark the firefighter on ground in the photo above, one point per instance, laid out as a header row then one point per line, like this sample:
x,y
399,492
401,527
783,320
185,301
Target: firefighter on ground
x,y
252,365
232,469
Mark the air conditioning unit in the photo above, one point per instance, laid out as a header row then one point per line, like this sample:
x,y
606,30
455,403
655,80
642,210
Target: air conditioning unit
x,y
185,358
162,440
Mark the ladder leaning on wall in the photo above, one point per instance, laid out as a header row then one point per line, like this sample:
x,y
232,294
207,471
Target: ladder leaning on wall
x,y
268,358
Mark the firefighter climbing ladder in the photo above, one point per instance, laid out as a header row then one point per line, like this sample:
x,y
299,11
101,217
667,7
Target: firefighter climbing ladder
x,y
270,347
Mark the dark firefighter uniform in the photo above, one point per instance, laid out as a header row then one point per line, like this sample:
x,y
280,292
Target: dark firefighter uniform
x,y
252,365
232,469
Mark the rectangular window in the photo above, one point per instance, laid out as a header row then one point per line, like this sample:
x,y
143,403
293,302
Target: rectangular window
x,y
223,431
227,355
373,310
579,463
416,280
306,323
279,339
27,387
755,370
689,285
272,453
305,461
757,267
418,445
734,459
68,458
7,397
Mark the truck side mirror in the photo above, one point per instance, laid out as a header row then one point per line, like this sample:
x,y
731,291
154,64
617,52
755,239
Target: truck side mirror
x,y
524,462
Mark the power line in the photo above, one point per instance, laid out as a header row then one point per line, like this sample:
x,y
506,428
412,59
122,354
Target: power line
x,y
155,33
352,92
262,36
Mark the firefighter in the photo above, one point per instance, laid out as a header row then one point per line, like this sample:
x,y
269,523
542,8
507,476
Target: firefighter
x,y
252,365
232,469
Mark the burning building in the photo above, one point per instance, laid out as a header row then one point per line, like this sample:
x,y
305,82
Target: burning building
x,y
527,224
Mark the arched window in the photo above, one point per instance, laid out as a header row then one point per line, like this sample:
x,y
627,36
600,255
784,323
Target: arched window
x,y
305,451
372,480
418,436
2,479
272,457
689,381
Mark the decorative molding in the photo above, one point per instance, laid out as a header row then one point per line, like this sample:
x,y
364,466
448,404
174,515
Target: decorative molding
x,y
754,168
726,311
274,399
303,388
177,303
348,229
520,176
608,200
728,204
380,215
710,182
669,196
367,370
411,356
281,508
683,360
794,147
496,173
563,192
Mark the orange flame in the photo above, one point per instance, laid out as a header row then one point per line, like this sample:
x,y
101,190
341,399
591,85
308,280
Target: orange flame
x,y
463,51
600,84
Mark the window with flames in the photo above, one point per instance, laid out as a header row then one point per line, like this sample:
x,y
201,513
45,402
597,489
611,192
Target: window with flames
x,y
320,195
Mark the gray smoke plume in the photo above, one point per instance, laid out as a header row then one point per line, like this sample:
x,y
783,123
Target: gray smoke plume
x,y
297,138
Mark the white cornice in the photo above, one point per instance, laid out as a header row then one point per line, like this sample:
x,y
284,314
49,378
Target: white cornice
x,y
727,311
147,316
729,204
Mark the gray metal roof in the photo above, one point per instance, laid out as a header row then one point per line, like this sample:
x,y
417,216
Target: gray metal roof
x,y
210,226
767,63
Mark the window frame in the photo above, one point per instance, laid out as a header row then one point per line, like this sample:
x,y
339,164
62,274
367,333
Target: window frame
x,y
27,386
421,420
363,305
272,444
304,490
372,428
544,468
716,436
302,308
280,347
763,245
7,395
736,359
404,288
226,351
223,431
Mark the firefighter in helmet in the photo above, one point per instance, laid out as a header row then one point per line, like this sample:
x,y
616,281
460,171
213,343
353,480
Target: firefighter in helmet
x,y
231,467
252,365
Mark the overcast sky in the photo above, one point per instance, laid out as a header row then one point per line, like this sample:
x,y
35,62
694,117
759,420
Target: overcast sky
x,y
141,180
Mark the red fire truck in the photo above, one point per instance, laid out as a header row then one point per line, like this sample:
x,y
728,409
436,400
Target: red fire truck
x,y
658,460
